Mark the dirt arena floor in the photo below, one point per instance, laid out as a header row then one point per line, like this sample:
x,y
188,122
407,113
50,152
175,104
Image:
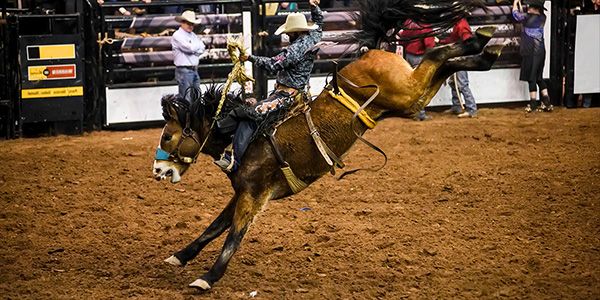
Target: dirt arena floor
x,y
503,206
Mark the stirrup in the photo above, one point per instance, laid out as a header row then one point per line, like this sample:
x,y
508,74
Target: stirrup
x,y
226,164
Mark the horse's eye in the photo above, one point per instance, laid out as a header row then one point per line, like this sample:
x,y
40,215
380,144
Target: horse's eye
x,y
167,137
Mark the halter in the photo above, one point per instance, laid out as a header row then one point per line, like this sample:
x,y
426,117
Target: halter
x,y
175,156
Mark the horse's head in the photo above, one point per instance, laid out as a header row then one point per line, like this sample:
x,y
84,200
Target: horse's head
x,y
189,131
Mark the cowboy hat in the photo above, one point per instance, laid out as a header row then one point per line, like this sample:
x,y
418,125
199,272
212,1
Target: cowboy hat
x,y
295,22
188,16
536,3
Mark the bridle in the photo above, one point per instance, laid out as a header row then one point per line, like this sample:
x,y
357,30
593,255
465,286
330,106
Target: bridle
x,y
186,133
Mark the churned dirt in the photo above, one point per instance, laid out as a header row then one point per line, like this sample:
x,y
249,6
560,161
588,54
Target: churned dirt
x,y
503,206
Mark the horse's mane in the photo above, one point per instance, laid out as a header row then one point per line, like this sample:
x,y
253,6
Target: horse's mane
x,y
202,104
382,19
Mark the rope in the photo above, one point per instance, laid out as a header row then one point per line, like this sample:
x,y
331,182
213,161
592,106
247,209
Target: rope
x,y
237,74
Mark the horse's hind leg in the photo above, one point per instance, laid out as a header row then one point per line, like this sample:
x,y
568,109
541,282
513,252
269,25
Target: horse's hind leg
x,y
471,46
435,60
246,209
214,230
480,62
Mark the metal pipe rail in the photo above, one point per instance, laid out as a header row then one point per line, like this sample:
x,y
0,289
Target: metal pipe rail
x,y
168,21
160,3
165,41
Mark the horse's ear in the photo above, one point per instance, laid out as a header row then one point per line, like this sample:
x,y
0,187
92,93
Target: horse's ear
x,y
168,107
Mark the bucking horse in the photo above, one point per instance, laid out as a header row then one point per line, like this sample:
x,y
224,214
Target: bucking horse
x,y
377,84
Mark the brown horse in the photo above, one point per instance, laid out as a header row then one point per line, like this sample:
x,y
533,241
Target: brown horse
x,y
259,179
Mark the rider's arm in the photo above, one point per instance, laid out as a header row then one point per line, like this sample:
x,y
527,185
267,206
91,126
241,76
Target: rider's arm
x,y
316,15
270,64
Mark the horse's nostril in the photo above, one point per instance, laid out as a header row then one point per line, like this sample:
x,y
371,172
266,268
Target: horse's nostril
x,y
156,170
169,173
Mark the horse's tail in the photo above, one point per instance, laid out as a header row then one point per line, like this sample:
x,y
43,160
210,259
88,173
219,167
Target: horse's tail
x,y
382,19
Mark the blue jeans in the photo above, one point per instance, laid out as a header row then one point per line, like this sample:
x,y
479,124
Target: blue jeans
x,y
187,78
414,60
463,87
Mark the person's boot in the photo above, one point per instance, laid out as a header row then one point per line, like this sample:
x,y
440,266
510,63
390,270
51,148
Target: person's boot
x,y
532,106
546,105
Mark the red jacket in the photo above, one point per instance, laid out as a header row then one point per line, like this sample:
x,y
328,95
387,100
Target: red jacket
x,y
460,32
418,46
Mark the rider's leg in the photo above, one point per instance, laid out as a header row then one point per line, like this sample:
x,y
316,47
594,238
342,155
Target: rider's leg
x,y
241,140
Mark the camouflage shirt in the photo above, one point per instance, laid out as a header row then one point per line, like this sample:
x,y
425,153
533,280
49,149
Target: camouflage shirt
x,y
295,63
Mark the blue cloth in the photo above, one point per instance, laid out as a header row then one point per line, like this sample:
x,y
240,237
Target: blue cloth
x,y
187,78
532,35
463,87
187,48
161,154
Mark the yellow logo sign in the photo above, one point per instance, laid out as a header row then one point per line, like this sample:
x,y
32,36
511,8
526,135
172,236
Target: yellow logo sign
x,y
51,72
52,92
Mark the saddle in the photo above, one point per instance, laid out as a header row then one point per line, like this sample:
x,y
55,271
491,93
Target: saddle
x,y
302,105
328,155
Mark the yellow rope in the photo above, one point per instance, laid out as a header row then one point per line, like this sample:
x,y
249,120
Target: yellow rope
x,y
353,106
238,73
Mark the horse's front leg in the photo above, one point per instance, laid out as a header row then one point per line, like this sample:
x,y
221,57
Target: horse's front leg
x,y
214,230
246,209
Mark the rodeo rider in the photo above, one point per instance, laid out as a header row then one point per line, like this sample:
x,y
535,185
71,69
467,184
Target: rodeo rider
x,y
293,66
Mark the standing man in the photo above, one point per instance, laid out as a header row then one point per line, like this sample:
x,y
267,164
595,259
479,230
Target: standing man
x,y
415,49
187,48
459,81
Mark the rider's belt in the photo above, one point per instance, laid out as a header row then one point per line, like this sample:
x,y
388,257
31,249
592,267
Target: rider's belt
x,y
193,68
353,106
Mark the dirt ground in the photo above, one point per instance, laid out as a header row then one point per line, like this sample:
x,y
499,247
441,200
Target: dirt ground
x,y
503,206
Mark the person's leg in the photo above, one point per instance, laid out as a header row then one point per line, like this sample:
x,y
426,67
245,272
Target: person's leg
x,y
196,84
241,140
544,97
456,107
182,82
463,86
587,100
532,106
413,59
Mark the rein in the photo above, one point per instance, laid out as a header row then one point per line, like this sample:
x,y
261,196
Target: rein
x,y
356,115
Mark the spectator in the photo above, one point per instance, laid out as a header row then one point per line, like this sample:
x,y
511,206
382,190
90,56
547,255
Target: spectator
x,y
415,49
533,51
459,82
187,48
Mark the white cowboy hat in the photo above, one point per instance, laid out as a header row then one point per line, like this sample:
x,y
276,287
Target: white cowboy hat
x,y
295,22
188,16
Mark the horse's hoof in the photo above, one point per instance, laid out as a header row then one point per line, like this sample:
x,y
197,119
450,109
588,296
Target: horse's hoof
x,y
200,284
486,31
172,260
494,50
